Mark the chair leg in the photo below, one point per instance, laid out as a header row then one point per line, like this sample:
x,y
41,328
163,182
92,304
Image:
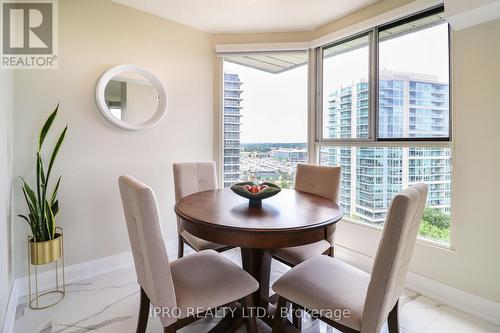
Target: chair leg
x,y
250,310
332,251
142,321
180,247
280,315
170,329
393,319
297,316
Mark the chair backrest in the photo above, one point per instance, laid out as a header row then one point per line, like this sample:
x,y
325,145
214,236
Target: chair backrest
x,y
323,181
193,177
148,248
393,256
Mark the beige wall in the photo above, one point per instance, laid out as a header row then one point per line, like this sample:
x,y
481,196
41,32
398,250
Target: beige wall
x,y
476,157
93,36
6,114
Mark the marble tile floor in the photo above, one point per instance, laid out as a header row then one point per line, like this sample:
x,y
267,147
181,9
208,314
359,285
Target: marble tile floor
x,y
109,303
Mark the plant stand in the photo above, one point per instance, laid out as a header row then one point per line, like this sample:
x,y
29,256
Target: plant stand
x,y
45,253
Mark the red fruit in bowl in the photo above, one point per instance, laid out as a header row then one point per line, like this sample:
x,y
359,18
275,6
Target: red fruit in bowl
x,y
255,189
263,187
248,187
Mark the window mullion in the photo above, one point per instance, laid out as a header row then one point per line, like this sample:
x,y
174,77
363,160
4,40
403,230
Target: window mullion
x,y
312,114
319,93
373,118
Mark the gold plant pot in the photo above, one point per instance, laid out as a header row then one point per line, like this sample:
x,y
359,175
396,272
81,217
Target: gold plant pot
x,y
41,253
46,252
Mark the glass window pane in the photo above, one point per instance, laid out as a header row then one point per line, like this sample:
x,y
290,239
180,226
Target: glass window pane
x,y
372,176
413,80
265,117
346,89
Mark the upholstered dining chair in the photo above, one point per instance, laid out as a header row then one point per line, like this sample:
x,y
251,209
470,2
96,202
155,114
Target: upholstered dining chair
x,y
323,181
184,289
189,178
326,287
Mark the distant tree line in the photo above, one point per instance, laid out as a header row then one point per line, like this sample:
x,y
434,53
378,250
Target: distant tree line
x,y
265,147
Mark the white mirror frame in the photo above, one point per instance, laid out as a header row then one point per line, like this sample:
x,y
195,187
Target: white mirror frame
x,y
155,81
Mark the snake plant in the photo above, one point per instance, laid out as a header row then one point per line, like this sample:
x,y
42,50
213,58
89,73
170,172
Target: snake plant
x,y
42,207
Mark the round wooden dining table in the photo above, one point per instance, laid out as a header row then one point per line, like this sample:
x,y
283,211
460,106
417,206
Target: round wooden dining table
x,y
290,218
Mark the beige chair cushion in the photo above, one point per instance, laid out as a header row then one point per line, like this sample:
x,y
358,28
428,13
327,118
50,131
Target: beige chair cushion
x,y
199,244
325,283
297,254
207,279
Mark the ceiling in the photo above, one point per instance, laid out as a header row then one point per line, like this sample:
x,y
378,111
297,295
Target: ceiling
x,y
225,16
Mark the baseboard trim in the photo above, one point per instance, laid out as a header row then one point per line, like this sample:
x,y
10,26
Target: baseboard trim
x,y
10,313
88,269
461,300
78,272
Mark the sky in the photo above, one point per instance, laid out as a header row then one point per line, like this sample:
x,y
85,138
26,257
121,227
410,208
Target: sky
x,y
275,105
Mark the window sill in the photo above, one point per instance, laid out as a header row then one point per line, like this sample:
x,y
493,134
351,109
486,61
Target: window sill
x,y
420,240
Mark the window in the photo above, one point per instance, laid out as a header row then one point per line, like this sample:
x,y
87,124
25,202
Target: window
x,y
372,176
383,115
406,101
346,89
265,117
414,79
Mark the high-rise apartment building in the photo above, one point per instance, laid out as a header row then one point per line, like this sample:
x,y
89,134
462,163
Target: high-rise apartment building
x,y
232,123
410,105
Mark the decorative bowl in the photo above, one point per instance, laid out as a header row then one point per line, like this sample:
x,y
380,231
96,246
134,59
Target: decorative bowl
x,y
255,199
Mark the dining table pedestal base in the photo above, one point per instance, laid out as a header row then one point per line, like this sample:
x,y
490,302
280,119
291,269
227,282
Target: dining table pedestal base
x,y
257,262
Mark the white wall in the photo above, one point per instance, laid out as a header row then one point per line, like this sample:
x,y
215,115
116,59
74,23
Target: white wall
x,y
93,36
6,160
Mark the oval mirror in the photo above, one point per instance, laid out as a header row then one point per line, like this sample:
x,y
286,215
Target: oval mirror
x,y
131,97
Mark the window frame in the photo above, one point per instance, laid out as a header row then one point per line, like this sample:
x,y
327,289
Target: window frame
x,y
315,141
373,139
319,88
311,150
373,115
